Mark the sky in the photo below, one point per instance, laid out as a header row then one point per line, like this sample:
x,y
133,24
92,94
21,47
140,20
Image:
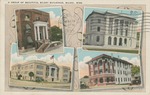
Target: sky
x,y
85,55
55,15
65,59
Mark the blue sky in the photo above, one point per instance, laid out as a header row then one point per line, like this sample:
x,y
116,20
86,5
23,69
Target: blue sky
x,y
14,49
83,53
56,10
89,10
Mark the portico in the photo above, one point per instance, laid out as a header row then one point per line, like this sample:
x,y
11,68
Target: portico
x,y
40,30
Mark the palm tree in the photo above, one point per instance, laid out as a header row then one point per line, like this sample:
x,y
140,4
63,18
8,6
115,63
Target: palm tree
x,y
31,74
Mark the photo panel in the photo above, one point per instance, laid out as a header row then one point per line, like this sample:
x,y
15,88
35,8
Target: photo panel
x,y
49,72
100,70
39,30
108,29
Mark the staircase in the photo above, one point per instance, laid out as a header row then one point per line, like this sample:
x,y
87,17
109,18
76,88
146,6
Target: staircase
x,y
42,47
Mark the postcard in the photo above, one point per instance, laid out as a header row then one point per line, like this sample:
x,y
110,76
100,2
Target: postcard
x,y
39,30
42,71
108,29
107,70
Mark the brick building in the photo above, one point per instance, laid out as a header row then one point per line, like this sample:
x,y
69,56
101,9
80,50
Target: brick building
x,y
106,70
33,29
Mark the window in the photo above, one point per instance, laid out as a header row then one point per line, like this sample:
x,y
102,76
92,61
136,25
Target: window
x,y
107,79
121,31
125,41
100,71
39,72
115,41
27,18
52,71
101,80
109,40
99,20
126,32
126,23
37,18
98,29
120,41
39,67
96,81
116,31
97,39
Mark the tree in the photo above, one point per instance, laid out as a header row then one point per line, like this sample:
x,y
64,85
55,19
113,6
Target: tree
x,y
135,70
86,77
31,74
19,77
56,33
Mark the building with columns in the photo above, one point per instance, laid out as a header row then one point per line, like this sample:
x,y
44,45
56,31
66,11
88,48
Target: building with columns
x,y
107,70
33,29
49,72
110,29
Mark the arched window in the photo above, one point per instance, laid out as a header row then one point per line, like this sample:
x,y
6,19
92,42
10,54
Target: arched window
x,y
98,29
125,41
120,41
109,40
115,41
28,28
97,39
27,18
101,80
96,81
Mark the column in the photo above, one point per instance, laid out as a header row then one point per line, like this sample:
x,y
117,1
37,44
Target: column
x,y
43,33
98,67
89,70
119,27
103,67
49,71
46,33
38,32
113,68
112,40
93,68
55,73
35,31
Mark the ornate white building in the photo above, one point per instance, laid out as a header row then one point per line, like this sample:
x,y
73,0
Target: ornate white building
x,y
110,30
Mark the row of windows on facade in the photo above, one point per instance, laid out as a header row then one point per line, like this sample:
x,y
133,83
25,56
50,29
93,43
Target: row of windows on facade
x,y
119,64
27,18
121,79
123,32
27,67
121,72
101,80
111,79
116,21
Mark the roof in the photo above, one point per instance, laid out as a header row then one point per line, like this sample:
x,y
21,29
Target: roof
x,y
35,61
110,57
108,12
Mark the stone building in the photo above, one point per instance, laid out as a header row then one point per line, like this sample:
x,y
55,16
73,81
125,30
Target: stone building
x,y
41,70
106,70
110,29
